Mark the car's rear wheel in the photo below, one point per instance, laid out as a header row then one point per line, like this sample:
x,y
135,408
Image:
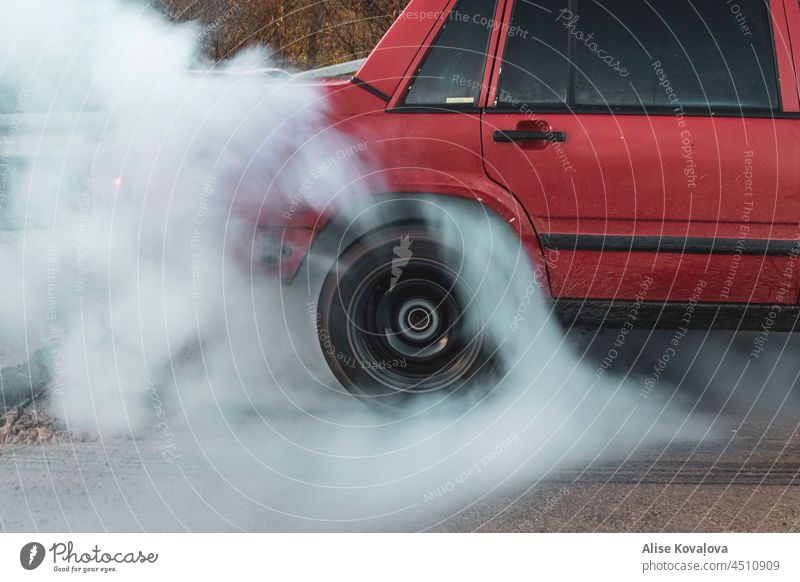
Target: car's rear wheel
x,y
398,319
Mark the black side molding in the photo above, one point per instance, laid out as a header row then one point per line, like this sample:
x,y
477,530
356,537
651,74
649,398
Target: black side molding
x,y
670,244
364,85
601,314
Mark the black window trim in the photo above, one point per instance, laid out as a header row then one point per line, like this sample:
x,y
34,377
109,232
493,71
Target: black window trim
x,y
689,111
534,110
367,87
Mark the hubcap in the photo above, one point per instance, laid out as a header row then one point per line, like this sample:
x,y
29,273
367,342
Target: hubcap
x,y
418,319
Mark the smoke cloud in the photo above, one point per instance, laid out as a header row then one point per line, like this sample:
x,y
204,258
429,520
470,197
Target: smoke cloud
x,y
128,258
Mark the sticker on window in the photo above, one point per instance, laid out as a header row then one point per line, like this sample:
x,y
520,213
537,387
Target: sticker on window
x,y
460,100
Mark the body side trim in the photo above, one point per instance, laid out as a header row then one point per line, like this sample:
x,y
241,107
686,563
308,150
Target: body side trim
x,y
669,244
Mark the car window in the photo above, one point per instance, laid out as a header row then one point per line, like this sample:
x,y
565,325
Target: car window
x,y
651,54
536,64
452,72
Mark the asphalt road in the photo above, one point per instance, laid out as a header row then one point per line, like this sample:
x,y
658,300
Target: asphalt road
x,y
749,481
263,471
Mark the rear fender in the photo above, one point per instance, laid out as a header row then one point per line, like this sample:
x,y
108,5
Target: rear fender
x,y
369,213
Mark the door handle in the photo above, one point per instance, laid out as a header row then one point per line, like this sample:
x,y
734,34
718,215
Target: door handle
x,y
501,136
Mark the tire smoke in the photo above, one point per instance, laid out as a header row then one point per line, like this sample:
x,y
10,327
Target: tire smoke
x,y
130,259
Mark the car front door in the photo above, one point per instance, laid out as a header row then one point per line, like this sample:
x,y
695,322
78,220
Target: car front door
x,y
653,146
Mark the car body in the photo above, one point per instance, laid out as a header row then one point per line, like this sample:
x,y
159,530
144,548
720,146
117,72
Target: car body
x,y
637,179
646,154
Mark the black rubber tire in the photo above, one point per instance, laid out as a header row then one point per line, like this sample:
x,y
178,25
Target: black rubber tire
x,y
397,319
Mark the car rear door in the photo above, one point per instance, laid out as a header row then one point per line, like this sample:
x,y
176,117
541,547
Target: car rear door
x,y
653,146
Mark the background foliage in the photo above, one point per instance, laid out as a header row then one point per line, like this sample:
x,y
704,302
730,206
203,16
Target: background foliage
x,y
300,33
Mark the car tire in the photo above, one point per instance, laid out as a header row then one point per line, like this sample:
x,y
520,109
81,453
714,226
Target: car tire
x,y
398,320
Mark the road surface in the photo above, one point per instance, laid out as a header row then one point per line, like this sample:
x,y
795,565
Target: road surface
x,y
262,471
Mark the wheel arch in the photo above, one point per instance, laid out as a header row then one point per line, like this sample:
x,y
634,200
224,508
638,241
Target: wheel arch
x,y
366,214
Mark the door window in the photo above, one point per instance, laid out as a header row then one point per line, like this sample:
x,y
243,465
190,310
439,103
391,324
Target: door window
x,y
536,64
644,54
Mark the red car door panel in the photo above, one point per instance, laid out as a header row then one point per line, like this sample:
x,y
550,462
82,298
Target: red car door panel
x,y
697,188
717,198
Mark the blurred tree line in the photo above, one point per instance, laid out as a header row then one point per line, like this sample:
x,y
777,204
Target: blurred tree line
x,y
299,33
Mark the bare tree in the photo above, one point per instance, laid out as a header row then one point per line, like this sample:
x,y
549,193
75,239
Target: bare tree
x,y
299,33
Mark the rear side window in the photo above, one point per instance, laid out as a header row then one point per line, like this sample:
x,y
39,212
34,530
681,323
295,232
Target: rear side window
x,y
652,54
452,72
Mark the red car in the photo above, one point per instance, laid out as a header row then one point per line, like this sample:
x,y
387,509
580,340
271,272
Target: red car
x,y
646,154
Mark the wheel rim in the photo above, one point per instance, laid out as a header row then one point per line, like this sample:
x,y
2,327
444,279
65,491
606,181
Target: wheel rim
x,y
412,335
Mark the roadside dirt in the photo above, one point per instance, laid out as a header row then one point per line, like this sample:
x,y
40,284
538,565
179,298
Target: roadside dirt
x,y
28,424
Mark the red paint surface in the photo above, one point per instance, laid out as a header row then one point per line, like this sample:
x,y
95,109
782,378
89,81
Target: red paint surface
x,y
615,174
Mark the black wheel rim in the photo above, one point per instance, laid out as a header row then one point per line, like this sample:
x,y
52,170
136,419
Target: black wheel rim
x,y
412,335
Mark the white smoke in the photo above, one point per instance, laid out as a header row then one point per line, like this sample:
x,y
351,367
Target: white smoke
x,y
139,212
134,280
